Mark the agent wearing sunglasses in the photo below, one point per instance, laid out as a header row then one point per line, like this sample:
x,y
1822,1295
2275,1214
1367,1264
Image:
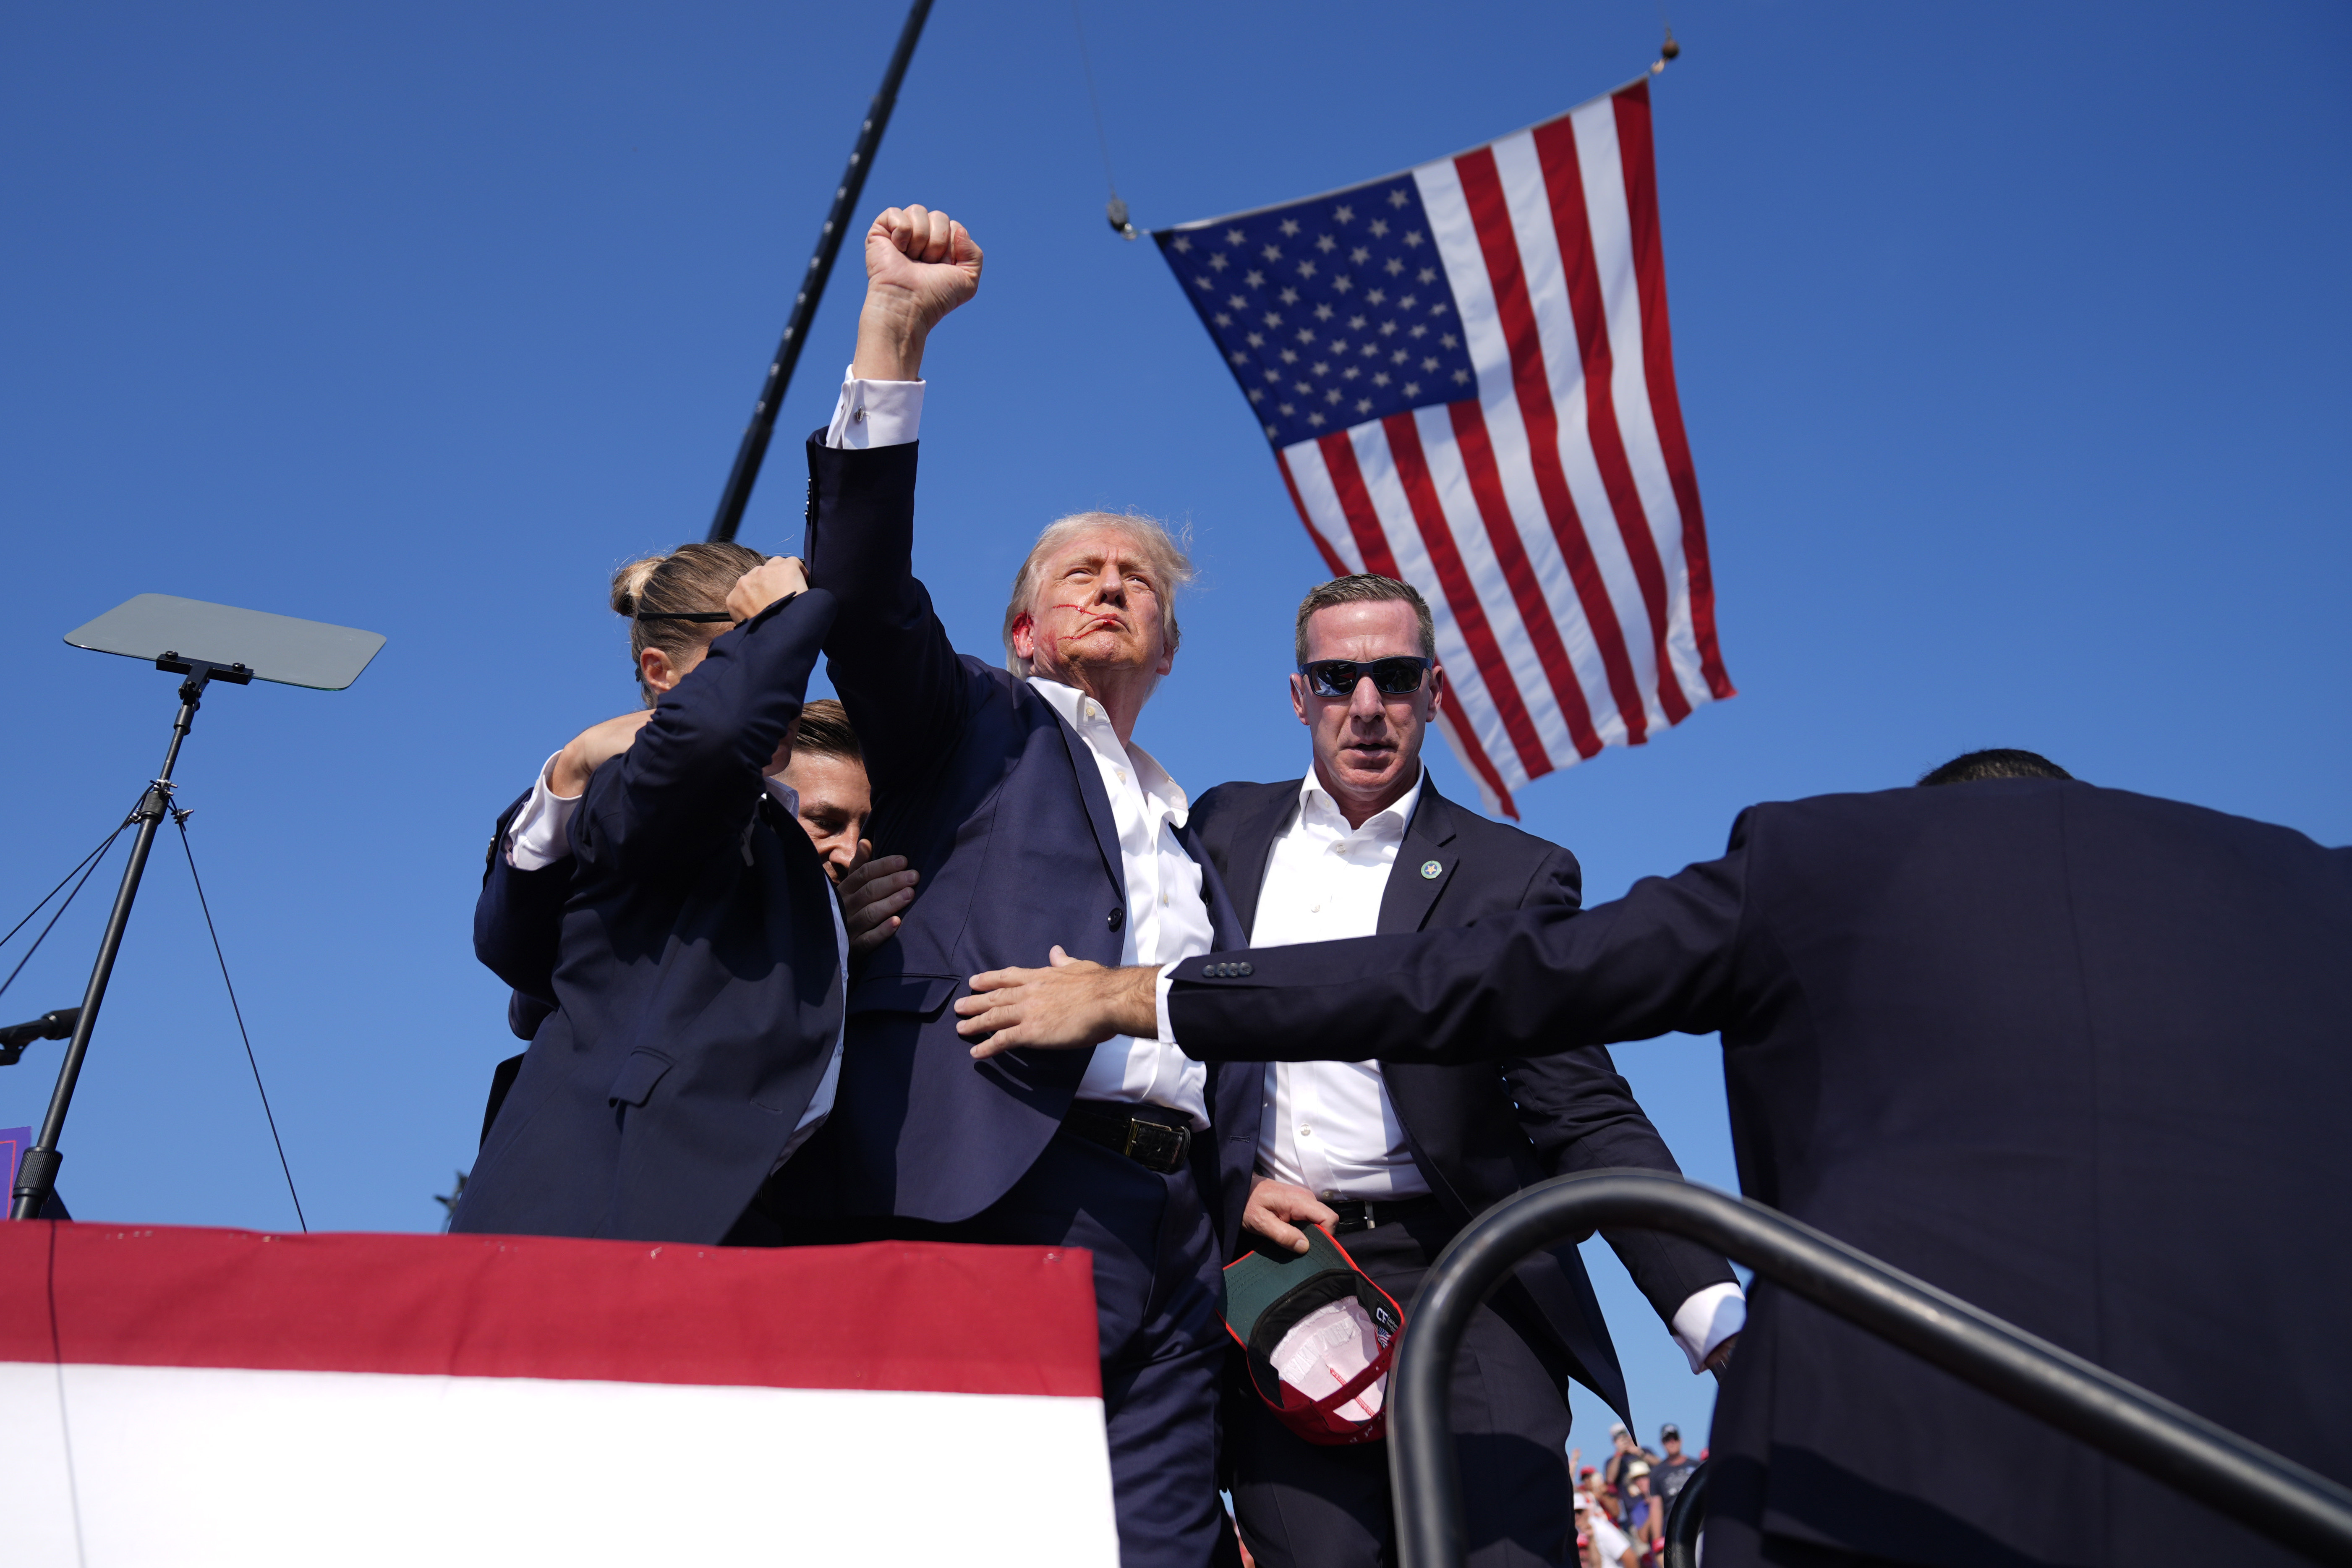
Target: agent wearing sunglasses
x,y
1395,1159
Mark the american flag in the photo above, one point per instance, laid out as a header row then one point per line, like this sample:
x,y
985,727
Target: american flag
x,y
1467,378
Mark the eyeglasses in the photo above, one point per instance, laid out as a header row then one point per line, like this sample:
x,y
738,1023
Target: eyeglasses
x,y
1394,677
684,616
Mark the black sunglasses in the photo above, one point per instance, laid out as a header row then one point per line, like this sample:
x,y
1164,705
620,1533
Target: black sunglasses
x,y
684,616
1393,677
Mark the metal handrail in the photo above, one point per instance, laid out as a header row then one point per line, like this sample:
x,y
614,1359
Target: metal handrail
x,y
2266,1492
1686,1516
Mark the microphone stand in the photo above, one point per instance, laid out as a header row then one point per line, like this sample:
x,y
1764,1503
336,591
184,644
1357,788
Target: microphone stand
x,y
36,1172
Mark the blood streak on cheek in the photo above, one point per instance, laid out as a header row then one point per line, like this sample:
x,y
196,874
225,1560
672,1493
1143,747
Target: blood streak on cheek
x,y
1107,622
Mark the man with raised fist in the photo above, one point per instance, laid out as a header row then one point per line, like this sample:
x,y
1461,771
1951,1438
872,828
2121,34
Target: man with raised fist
x,y
1037,827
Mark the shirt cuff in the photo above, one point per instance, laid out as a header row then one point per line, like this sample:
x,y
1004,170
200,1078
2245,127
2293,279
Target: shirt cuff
x,y
1160,993
876,414
538,837
1710,1317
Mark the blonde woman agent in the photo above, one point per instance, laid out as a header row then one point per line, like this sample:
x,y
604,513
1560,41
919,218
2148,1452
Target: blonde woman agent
x,y
696,1041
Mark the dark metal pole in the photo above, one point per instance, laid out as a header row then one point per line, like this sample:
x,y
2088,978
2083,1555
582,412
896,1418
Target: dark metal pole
x,y
36,1172
754,447
2266,1492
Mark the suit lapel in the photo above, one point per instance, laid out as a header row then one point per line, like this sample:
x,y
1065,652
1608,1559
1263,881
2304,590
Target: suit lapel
x,y
1413,885
1253,847
1097,799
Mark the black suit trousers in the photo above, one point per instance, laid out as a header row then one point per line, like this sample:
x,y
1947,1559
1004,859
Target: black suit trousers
x,y
1301,1505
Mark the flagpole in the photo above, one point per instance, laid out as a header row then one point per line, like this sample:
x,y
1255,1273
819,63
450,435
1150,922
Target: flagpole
x,y
754,446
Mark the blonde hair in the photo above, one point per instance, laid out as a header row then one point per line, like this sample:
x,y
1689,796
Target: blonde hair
x,y
692,578
1163,553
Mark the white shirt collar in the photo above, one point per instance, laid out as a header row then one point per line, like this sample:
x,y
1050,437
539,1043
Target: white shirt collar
x,y
1389,821
1092,724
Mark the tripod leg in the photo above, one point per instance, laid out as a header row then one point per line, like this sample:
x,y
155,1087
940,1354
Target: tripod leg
x,y
36,1172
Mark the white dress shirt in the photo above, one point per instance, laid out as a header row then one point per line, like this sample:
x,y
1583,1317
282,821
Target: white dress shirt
x,y
1329,1127
875,413
538,837
1167,919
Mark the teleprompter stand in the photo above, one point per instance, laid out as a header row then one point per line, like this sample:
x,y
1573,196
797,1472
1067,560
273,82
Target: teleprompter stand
x,y
158,626
37,1173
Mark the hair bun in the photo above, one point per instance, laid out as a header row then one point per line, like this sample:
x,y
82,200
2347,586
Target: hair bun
x,y
629,583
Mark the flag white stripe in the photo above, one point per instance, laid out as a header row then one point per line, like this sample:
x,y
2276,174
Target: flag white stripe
x,y
1529,201
1314,482
1386,491
1602,165
1452,482
1456,237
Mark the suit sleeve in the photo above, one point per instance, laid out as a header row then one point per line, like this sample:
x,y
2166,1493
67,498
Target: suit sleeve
x,y
1583,1116
1543,981
691,779
518,920
889,656
1580,1115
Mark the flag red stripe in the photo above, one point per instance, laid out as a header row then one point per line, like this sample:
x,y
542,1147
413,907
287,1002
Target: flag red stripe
x,y
895,1315
1465,743
1572,227
1460,597
1356,505
1511,554
1482,189
1639,161
1322,545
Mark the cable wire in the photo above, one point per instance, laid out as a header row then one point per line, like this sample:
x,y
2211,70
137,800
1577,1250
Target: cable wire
x,y
89,867
179,819
1116,209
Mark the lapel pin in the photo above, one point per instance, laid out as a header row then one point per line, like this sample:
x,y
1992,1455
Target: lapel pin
x,y
1430,870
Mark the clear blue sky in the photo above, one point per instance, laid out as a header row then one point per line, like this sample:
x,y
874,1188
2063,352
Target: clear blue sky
x,y
2011,341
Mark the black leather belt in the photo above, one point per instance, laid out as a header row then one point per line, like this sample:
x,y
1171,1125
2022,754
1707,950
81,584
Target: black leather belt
x,y
1363,1213
1154,1138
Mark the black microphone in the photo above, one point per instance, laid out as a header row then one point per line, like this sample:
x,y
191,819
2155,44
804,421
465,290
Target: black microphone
x,y
54,1026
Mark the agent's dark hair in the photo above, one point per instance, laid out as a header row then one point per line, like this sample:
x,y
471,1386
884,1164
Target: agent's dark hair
x,y
1365,588
693,579
824,731
1998,763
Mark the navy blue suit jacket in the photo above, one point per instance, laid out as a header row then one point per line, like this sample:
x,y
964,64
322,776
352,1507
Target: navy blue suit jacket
x,y
699,987
518,927
2078,1056
999,805
1479,1132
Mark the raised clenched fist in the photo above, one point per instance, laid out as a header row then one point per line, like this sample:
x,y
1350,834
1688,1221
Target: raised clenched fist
x,y
919,265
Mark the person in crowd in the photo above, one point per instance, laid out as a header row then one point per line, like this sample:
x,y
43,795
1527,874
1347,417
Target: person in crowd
x,y
1668,1473
1037,826
1605,1545
1623,1450
1641,1511
696,1037
1396,1159
2052,1047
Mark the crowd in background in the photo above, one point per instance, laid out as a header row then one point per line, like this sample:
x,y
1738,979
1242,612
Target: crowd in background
x,y
1621,1505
